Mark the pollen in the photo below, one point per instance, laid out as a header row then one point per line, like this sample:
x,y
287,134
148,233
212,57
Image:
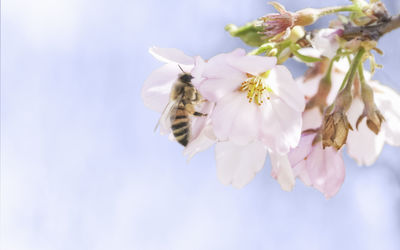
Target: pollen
x,y
257,89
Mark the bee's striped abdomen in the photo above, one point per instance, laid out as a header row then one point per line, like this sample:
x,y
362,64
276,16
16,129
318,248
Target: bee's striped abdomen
x,y
180,125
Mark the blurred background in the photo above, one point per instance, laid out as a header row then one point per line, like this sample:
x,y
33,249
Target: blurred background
x,y
82,169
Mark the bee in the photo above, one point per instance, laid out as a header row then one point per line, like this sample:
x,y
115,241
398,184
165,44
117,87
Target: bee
x,y
183,99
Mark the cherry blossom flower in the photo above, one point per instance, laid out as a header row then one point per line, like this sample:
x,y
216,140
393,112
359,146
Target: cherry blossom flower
x,y
255,100
388,102
258,110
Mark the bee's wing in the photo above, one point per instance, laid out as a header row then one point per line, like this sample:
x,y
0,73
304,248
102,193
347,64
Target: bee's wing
x,y
166,114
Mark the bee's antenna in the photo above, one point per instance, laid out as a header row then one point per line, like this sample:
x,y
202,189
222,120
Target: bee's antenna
x,y
181,68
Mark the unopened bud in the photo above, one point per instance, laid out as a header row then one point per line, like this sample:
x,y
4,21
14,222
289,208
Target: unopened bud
x,y
307,16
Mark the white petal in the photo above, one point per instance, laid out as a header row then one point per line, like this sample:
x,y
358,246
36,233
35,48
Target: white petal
x,y
254,65
310,87
203,141
284,86
157,87
282,171
325,41
198,123
236,119
237,165
339,71
213,89
171,55
363,145
355,111
388,102
281,126
312,119
311,52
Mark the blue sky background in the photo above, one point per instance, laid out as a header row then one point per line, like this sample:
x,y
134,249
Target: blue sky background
x,y
82,169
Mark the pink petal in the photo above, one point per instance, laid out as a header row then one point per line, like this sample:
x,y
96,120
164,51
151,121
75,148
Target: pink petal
x,y
282,171
234,118
171,55
284,86
300,171
280,127
326,170
237,165
301,152
157,87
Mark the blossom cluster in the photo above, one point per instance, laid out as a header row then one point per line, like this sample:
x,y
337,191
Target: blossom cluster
x,y
252,107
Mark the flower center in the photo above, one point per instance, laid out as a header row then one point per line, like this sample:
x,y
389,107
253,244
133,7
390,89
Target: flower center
x,y
256,87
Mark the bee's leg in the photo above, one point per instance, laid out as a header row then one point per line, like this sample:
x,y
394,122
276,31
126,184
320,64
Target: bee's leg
x,y
199,114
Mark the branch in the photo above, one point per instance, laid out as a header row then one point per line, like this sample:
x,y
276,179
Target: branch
x,y
373,32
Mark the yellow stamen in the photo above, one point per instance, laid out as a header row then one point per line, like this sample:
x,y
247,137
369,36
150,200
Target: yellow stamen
x,y
256,88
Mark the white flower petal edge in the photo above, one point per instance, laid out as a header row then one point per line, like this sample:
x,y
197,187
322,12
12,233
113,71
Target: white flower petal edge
x,y
388,102
237,165
362,144
171,55
282,171
284,86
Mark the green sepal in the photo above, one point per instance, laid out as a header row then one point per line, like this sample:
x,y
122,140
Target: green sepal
x,y
304,58
249,33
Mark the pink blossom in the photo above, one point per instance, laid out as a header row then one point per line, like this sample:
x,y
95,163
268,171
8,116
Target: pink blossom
x,y
256,100
258,111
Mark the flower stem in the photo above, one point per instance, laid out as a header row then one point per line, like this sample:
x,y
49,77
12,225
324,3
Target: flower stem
x,y
348,80
335,9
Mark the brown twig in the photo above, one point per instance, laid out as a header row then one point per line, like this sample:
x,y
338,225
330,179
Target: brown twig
x,y
373,32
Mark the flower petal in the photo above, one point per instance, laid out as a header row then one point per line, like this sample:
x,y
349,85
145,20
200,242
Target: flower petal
x,y
282,171
388,102
326,170
301,152
203,141
157,87
312,119
237,165
280,127
363,145
284,86
171,55
251,64
236,119
213,89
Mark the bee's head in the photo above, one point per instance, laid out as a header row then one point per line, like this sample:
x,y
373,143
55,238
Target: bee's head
x,y
185,77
